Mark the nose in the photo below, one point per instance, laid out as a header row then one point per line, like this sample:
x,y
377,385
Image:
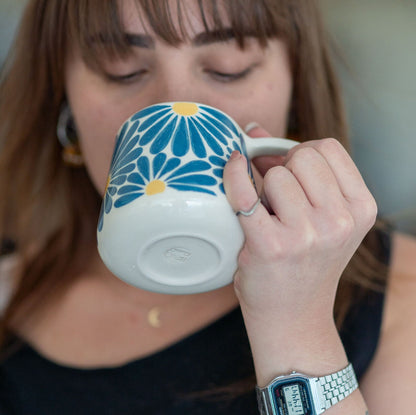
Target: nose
x,y
177,86
180,81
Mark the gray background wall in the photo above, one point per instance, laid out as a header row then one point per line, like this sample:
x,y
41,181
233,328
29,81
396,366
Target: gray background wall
x,y
10,11
377,42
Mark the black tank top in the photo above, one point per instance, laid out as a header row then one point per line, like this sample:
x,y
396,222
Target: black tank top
x,y
209,372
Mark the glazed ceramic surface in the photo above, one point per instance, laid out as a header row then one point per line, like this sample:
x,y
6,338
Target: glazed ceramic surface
x,y
165,223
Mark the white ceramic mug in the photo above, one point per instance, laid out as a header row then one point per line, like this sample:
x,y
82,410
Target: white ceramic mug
x,y
165,223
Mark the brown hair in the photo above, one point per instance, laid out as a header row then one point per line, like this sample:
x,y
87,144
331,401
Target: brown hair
x,y
50,210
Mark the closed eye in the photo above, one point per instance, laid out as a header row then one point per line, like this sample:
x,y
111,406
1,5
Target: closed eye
x,y
229,76
125,78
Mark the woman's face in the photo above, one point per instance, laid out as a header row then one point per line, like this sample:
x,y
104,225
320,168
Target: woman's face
x,y
253,84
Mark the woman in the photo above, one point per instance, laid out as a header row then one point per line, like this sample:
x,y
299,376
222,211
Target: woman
x,y
76,339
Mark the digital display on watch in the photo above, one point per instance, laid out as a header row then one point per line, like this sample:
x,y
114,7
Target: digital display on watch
x,y
292,398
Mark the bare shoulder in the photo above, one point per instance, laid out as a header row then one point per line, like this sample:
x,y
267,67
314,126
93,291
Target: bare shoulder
x,y
394,367
404,258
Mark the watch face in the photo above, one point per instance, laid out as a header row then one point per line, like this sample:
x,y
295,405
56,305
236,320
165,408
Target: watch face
x,y
293,397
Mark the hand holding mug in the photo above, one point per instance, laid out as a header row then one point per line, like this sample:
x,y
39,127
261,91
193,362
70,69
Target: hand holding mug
x,y
319,210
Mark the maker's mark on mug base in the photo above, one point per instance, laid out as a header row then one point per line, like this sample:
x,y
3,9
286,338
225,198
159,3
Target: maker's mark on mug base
x,y
180,260
178,255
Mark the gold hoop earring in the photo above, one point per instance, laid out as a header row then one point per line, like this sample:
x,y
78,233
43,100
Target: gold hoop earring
x,y
67,137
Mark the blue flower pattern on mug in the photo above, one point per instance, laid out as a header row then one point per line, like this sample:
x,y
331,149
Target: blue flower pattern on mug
x,y
122,163
154,177
187,127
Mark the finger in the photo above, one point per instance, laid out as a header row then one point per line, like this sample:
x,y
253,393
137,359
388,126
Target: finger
x,y
264,163
285,196
361,202
316,178
349,179
242,196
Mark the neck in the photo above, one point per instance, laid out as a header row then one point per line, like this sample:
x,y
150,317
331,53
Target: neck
x,y
100,309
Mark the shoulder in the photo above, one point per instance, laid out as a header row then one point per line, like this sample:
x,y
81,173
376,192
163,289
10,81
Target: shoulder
x,y
404,257
401,291
394,366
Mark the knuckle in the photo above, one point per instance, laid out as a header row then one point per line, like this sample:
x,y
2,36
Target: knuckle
x,y
273,249
340,228
298,159
307,240
246,203
368,211
344,226
329,145
275,174
304,240
304,152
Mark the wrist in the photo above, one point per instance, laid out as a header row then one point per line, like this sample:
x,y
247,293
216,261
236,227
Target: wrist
x,y
280,347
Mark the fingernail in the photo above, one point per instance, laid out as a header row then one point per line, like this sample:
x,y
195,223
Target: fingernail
x,y
250,126
235,155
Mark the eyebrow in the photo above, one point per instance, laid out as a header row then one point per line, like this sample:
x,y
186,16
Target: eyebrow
x,y
213,36
139,40
201,39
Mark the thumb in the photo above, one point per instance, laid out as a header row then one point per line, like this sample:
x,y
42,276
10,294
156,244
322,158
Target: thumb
x,y
242,196
238,186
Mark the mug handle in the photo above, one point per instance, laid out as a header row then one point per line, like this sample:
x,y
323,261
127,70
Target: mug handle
x,y
267,146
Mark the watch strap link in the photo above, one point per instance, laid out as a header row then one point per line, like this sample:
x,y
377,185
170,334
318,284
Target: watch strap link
x,y
337,386
263,403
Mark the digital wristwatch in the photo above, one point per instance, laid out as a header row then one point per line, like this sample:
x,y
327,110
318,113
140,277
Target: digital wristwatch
x,y
299,394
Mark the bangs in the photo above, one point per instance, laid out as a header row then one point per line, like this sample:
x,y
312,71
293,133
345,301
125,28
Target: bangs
x,y
96,26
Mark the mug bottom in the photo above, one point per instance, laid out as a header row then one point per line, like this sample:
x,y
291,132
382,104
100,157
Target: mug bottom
x,y
180,260
173,246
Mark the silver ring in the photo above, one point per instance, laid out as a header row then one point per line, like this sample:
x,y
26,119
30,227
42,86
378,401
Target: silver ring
x,y
251,211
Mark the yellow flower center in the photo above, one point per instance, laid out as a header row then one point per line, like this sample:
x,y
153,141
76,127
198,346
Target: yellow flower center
x,y
107,184
185,108
154,187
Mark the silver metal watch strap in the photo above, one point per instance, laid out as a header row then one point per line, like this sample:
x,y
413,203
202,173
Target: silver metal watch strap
x,y
261,402
337,386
